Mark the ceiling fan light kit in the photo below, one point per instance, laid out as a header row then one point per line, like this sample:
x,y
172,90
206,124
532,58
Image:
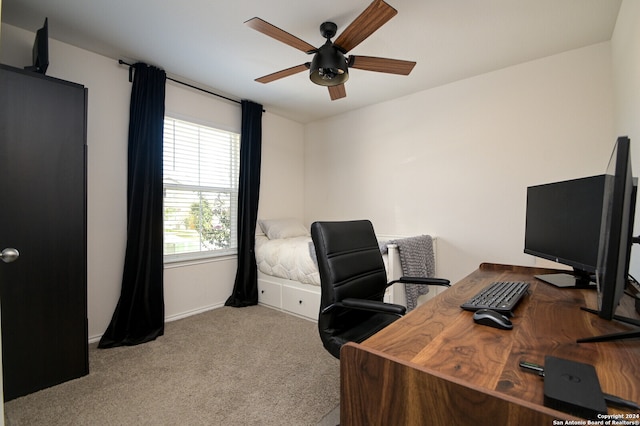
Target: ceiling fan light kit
x,y
329,67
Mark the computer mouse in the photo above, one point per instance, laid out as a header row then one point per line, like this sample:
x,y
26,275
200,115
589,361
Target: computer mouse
x,y
492,319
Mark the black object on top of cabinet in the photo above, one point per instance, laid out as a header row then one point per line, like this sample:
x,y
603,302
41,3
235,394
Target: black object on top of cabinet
x,y
43,295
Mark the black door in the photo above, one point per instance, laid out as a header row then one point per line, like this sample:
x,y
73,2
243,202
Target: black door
x,y
43,215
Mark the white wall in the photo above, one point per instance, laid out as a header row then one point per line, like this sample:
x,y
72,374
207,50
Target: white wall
x,y
626,76
189,288
455,161
452,161
282,170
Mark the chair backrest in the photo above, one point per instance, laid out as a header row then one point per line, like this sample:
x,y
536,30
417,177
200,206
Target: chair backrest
x,y
350,266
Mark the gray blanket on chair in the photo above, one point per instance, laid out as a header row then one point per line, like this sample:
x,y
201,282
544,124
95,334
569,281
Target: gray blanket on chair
x,y
417,259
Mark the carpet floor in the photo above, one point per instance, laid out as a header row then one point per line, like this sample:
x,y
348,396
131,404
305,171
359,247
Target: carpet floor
x,y
231,366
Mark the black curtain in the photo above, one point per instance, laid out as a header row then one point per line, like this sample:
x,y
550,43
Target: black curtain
x,y
139,315
245,287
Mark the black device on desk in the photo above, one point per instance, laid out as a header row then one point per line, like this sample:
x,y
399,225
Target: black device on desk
x,y
574,387
501,296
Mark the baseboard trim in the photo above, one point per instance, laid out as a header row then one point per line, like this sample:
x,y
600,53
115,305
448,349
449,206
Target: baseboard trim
x,y
186,314
174,317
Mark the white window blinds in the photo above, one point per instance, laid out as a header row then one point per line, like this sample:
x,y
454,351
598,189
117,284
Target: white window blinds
x,y
201,166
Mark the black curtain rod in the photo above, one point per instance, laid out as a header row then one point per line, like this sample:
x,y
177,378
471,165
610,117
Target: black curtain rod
x,y
121,62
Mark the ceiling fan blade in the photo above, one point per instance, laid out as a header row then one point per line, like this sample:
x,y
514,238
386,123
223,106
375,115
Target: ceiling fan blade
x,y
282,73
372,18
371,63
274,32
337,92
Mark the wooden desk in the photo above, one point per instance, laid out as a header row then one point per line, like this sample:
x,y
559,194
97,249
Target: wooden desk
x,y
435,366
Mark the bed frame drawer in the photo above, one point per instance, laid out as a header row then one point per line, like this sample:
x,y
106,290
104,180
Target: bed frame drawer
x,y
301,302
269,294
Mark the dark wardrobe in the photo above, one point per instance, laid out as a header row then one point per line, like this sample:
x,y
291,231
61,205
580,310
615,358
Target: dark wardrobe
x,y
43,187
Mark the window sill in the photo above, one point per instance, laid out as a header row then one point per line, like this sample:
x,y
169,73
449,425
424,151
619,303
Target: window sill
x,y
173,261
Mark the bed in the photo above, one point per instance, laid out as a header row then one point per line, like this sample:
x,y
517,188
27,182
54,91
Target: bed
x,y
288,277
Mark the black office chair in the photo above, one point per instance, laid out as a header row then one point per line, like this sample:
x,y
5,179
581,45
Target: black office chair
x,y
353,281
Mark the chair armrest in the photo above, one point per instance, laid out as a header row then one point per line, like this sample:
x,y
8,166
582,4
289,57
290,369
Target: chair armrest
x,y
423,281
367,305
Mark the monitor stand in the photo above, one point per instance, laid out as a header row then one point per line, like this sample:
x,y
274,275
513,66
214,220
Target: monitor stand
x,y
575,280
631,334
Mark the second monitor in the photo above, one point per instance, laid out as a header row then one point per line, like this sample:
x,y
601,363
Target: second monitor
x,y
563,225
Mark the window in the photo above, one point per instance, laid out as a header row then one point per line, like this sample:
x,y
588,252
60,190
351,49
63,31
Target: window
x,y
200,190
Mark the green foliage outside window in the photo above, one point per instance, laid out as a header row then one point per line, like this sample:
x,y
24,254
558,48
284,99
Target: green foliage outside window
x,y
213,223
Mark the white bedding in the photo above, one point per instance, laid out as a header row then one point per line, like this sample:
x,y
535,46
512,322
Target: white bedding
x,y
287,258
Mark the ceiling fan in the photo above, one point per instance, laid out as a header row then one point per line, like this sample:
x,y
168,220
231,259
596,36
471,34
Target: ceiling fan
x,y
329,67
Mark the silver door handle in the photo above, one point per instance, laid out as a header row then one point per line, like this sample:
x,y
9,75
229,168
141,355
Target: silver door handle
x,y
9,255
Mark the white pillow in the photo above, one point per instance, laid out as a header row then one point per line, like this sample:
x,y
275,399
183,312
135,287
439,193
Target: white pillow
x,y
282,228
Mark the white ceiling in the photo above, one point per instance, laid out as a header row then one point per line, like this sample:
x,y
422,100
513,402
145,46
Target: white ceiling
x,y
205,41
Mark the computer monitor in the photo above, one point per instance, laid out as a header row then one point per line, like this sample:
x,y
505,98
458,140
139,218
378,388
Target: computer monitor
x,y
40,51
617,228
563,221
614,251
